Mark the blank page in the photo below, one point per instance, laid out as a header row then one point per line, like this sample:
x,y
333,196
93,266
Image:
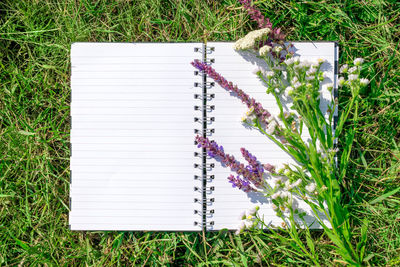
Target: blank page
x,y
132,136
232,135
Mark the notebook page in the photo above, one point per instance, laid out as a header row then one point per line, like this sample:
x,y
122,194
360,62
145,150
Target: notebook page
x,y
132,137
232,135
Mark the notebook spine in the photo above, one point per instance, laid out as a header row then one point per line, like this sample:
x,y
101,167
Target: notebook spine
x,y
336,96
209,131
205,130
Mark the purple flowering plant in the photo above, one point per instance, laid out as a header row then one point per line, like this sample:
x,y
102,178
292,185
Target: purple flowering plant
x,y
315,178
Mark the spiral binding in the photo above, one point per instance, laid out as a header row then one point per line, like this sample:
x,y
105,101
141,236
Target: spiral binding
x,y
203,97
205,120
204,49
208,108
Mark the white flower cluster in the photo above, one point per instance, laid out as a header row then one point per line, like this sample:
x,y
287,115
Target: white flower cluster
x,y
280,194
292,61
265,50
248,219
283,195
289,186
269,74
303,64
353,74
277,49
285,201
251,39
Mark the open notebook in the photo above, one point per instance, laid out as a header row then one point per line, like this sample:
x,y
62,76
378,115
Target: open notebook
x,y
135,108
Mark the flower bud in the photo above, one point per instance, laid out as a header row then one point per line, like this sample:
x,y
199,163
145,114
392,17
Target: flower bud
x,y
344,68
358,61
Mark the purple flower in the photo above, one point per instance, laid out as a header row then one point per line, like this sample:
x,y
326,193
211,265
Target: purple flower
x,y
270,168
253,173
254,167
241,184
260,112
275,36
256,15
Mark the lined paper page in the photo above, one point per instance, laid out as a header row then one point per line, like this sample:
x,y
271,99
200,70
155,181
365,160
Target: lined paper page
x,y
232,135
132,136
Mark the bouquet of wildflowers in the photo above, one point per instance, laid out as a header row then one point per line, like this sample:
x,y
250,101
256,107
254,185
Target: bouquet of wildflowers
x,y
315,178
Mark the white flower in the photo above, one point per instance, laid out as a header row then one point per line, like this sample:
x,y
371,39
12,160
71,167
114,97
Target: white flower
x,y
297,183
278,180
289,88
298,67
274,207
353,69
353,77
249,223
344,68
244,118
364,81
358,61
295,80
264,50
311,187
320,61
242,215
289,61
253,210
296,60
271,128
257,71
250,40
305,64
240,228
276,195
269,74
311,71
296,85
341,81
277,49
284,194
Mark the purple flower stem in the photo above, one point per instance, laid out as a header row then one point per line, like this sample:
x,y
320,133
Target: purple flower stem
x,y
260,112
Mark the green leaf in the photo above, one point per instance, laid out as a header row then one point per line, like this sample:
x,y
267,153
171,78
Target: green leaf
x,y
384,196
22,244
240,246
310,242
363,239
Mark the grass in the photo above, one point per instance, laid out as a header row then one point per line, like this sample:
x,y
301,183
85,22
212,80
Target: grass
x,y
35,39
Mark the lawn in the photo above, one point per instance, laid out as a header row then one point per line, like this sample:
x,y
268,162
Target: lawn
x,y
35,40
